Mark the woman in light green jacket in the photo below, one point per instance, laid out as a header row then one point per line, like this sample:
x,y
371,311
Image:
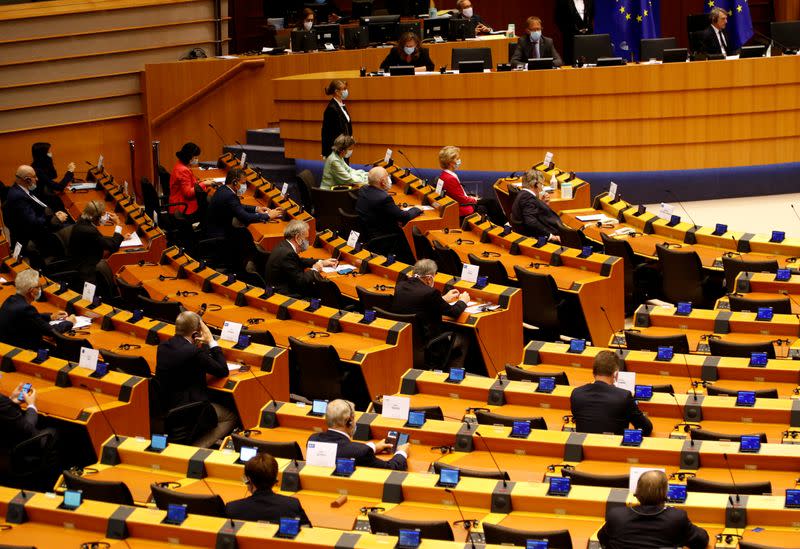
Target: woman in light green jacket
x,y
336,170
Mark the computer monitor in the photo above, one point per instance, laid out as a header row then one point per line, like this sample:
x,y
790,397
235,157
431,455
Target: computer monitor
x,y
365,21
361,8
653,48
355,38
592,46
786,34
381,32
460,29
675,55
759,50
436,26
414,27
328,34
303,41
541,63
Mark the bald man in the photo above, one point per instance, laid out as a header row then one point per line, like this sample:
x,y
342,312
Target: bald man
x,y
28,218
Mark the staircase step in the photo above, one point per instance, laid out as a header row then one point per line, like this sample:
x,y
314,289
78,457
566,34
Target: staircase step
x,y
277,173
270,137
264,154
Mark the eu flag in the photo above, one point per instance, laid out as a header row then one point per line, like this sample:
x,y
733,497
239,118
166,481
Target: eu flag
x,y
628,21
740,24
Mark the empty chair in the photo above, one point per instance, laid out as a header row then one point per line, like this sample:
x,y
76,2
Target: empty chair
x,y
99,490
474,473
31,463
515,373
208,505
422,246
542,306
592,479
329,293
636,341
373,300
683,278
471,54
712,390
733,265
490,418
493,269
704,434
694,484
641,278
428,355
719,347
129,293
285,450
572,238
653,48
69,348
429,529
590,47
431,412
348,222
165,311
502,535
327,204
183,424
262,337
446,259
134,365
780,305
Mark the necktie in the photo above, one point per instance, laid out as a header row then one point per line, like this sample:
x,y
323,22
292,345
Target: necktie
x,y
723,42
536,50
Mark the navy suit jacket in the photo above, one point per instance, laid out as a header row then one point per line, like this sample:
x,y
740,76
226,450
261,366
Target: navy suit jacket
x,y
412,296
87,246
602,408
710,42
362,453
181,369
26,219
378,215
224,207
539,219
266,506
650,527
17,425
525,51
287,272
22,325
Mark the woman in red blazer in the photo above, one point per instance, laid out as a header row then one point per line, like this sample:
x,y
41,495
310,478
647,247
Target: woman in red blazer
x,y
450,160
182,181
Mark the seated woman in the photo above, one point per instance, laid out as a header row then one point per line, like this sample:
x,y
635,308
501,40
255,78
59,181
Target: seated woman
x,y
87,246
306,23
336,171
48,185
532,210
450,161
408,52
182,182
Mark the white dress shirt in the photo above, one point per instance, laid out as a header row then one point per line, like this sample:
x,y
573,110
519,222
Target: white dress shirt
x,y
341,106
580,6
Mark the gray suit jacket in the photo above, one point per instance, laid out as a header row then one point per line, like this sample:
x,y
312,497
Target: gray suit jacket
x,y
524,51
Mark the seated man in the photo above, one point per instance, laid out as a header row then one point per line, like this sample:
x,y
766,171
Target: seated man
x,y
336,170
534,46
416,295
600,407
341,420
18,425
714,39
21,324
464,10
289,273
182,363
531,208
260,475
651,524
28,218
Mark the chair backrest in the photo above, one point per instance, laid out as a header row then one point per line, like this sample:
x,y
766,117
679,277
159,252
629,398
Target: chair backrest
x,y
33,461
493,269
69,348
539,298
165,311
262,337
429,529
306,183
636,341
447,260
780,305
591,479
683,275
490,418
515,373
417,342
653,48
348,222
278,449
474,473
100,490
134,365
704,434
327,204
590,47
712,390
571,238
422,245
183,424
129,292
720,347
503,535
733,265
749,544
329,293
316,369
196,504
621,248
149,196
471,54
373,300
694,484
106,286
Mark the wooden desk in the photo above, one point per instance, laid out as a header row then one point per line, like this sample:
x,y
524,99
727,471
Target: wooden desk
x,y
382,349
595,281
581,197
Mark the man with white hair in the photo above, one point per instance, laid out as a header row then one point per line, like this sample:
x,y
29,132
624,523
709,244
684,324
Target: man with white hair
x,y
21,324
289,273
340,418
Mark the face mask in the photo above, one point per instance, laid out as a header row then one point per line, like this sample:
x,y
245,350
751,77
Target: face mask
x,y
345,93
348,154
307,25
304,245
535,36
32,187
242,189
467,12
38,294
458,163
387,184
409,50
194,161
50,155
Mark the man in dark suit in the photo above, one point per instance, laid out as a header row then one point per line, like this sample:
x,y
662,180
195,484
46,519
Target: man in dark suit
x,y
289,273
21,325
714,39
417,295
18,425
531,208
87,245
28,218
535,46
182,363
379,216
464,10
341,420
600,407
574,18
651,524
264,505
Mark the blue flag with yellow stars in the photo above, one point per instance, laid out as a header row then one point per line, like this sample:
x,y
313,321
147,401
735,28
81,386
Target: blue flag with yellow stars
x,y
740,24
628,21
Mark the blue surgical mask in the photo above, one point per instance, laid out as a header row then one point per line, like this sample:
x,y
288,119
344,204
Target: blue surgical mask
x,y
409,50
458,163
345,93
536,36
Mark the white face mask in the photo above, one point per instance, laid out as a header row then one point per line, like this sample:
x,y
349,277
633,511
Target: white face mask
x,y
194,161
458,163
303,245
32,187
387,185
38,294
242,189
345,93
307,25
468,12
409,50
348,154
50,155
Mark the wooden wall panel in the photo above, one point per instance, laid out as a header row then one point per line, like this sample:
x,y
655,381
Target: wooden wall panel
x,y
69,91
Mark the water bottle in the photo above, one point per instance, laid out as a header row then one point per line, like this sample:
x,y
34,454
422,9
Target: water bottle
x,y
512,30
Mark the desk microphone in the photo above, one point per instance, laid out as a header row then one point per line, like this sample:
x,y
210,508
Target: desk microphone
x,y
786,49
213,493
491,455
689,373
251,269
102,412
795,212
222,141
735,248
792,299
686,428
733,480
418,174
274,401
468,523
694,225
479,339
608,320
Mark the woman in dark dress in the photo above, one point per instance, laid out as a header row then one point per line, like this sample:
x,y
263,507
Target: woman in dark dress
x,y
408,52
48,185
336,120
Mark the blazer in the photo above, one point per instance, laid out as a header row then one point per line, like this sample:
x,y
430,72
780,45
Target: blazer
x,y
602,408
422,58
87,246
710,43
21,325
650,527
569,20
224,207
26,219
362,453
47,179
182,189
334,124
17,426
537,217
337,172
525,51
452,188
412,296
181,368
266,506
379,215
287,272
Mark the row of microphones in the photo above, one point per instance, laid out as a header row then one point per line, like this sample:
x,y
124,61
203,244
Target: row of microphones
x,y
418,174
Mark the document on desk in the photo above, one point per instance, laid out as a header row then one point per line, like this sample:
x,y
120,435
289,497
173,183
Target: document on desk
x,y
82,186
133,242
423,208
594,217
481,308
340,266
80,322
